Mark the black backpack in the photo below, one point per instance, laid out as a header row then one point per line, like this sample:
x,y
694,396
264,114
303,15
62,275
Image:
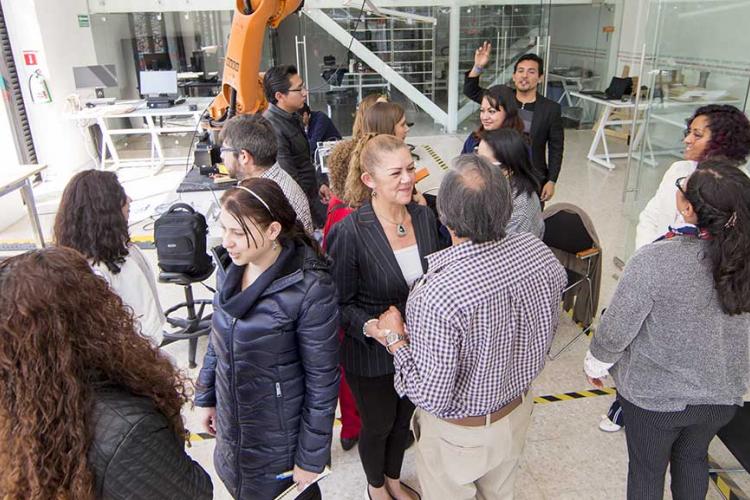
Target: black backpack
x,y
180,238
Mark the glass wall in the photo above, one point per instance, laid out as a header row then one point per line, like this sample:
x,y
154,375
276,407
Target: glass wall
x,y
688,63
191,43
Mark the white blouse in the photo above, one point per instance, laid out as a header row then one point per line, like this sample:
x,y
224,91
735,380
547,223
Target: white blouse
x,y
410,263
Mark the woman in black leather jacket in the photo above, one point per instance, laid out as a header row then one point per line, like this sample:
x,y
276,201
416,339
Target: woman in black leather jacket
x,y
88,407
269,381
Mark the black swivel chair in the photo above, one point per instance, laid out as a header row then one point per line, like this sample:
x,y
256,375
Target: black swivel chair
x,y
196,324
566,233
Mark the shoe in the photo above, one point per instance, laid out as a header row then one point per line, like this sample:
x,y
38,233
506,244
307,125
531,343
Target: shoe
x,y
410,440
348,443
407,488
607,425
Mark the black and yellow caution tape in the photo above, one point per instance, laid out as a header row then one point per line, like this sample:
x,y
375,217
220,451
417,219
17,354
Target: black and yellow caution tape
x,y
435,157
568,396
726,486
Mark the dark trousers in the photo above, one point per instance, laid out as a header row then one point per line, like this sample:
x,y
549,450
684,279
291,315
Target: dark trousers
x,y
679,439
270,490
385,426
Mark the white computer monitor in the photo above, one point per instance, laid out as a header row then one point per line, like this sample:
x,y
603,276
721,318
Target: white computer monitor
x,y
155,83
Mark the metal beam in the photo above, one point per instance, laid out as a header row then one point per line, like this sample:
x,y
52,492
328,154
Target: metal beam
x,y
454,34
124,6
339,33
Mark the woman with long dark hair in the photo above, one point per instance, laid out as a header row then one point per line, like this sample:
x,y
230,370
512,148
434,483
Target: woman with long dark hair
x,y
714,131
675,336
495,111
93,219
88,408
269,381
506,149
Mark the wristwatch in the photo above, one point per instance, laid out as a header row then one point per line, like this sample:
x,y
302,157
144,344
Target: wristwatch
x,y
392,338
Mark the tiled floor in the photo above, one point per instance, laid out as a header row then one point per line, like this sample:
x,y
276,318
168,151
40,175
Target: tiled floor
x,y
566,456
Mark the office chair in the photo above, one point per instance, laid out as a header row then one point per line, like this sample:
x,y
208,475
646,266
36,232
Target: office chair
x,y
196,324
570,235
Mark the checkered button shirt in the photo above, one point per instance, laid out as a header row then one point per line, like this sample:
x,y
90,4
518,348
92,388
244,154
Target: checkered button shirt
x,y
480,322
292,191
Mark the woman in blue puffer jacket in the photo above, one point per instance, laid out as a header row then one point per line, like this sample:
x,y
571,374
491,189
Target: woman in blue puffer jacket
x,y
269,381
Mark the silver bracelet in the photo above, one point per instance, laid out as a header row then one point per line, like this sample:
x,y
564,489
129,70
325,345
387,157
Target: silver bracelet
x,y
364,327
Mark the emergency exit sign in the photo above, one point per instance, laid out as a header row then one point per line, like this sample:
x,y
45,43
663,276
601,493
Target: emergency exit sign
x,y
83,21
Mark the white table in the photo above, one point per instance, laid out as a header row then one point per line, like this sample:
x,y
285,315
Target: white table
x,y
572,84
609,106
20,178
105,113
605,158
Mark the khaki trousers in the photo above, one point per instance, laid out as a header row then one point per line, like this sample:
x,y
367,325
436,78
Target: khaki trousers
x,y
460,463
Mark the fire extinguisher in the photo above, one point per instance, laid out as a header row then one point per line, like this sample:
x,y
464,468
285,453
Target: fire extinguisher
x,y
38,88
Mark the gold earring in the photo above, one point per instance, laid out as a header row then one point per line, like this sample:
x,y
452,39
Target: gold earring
x,y
373,193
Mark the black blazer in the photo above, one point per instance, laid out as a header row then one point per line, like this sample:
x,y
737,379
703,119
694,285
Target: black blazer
x,y
369,280
546,129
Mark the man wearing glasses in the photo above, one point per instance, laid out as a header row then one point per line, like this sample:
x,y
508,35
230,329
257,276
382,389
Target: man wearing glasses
x,y
248,149
286,94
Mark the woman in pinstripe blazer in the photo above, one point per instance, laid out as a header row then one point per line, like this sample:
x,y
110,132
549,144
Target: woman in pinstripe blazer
x,y
378,252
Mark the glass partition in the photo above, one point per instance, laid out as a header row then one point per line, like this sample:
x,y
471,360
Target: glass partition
x,y
688,63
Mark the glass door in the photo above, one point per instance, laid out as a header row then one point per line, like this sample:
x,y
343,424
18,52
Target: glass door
x,y
688,62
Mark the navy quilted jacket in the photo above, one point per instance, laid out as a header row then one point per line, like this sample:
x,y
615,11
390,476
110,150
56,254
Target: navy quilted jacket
x,y
271,371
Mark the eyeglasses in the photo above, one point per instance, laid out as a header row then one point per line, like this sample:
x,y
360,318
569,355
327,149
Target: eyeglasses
x,y
227,149
299,89
679,183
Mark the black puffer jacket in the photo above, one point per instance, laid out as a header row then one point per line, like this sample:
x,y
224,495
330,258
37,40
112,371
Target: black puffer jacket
x,y
135,455
271,371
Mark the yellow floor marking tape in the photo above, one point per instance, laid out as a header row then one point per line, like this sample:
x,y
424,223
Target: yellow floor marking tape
x,y
435,157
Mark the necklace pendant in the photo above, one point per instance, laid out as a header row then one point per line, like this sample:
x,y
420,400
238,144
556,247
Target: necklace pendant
x,y
400,230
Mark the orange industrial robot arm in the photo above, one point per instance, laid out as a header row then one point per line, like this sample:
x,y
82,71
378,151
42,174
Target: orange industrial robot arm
x,y
242,87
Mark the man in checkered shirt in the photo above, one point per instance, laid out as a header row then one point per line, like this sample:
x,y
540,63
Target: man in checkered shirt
x,y
478,327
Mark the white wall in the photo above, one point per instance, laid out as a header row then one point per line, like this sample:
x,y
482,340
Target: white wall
x,y
577,38
51,28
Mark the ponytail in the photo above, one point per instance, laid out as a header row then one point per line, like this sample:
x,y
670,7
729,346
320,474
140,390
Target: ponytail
x,y
355,191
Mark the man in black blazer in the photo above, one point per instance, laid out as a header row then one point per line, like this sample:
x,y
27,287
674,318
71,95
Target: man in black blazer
x,y
542,117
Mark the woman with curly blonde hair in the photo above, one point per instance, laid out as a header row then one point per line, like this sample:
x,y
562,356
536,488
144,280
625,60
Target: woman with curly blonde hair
x,y
88,408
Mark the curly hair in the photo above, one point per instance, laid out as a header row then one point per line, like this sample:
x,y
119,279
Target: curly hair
x,y
366,157
720,195
730,132
90,218
338,166
63,332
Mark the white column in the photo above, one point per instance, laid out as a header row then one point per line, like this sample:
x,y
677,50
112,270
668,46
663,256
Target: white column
x,y
454,35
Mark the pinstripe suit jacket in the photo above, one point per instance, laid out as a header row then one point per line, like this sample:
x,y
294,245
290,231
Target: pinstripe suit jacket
x,y
369,280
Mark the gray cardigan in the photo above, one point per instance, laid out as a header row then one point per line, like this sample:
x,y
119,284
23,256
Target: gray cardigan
x,y
666,333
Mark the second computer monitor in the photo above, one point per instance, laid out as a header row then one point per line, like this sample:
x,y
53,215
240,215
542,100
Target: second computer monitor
x,y
155,83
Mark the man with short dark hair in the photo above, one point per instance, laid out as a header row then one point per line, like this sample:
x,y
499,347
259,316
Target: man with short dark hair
x,y
248,149
286,94
542,117
478,328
